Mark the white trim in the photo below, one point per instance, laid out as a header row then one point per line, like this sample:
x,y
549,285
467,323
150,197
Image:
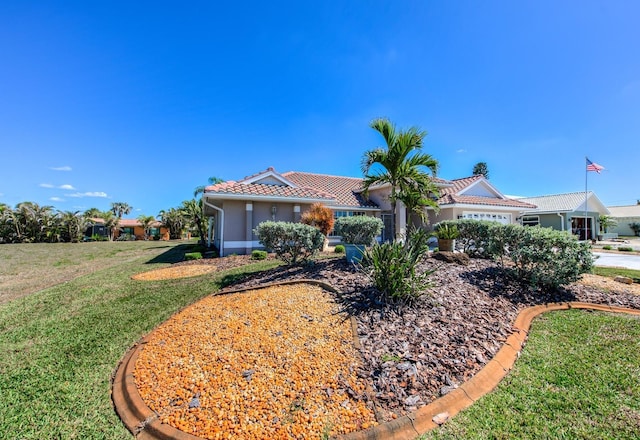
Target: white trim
x,y
485,182
248,206
221,211
268,173
483,207
238,244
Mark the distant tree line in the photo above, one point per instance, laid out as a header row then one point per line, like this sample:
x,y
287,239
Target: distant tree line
x,y
29,222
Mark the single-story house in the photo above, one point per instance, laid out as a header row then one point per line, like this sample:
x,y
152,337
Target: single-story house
x,y
235,208
577,212
127,226
625,216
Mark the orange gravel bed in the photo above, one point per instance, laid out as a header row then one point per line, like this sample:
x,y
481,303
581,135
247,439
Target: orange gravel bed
x,y
169,273
276,363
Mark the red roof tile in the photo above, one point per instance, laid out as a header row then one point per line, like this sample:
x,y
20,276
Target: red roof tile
x,y
264,190
346,190
451,195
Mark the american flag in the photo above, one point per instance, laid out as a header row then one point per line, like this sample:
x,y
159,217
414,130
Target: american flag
x,y
592,166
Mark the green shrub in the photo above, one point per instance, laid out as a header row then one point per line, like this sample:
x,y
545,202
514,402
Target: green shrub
x,y
542,257
293,243
446,230
192,256
474,237
607,247
339,249
258,255
392,267
358,229
625,249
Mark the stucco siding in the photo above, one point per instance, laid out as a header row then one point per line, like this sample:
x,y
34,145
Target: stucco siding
x,y
623,227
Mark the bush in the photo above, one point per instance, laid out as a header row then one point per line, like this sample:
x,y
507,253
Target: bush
x,y
635,227
474,237
625,249
392,267
258,255
358,229
319,216
540,256
293,243
126,237
192,256
339,249
607,247
446,231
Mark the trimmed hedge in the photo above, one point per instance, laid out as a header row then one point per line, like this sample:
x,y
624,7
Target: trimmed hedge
x,y
542,257
358,229
339,249
192,256
293,243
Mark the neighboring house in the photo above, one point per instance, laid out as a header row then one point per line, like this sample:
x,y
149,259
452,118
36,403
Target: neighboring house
x,y
625,216
127,226
235,208
567,212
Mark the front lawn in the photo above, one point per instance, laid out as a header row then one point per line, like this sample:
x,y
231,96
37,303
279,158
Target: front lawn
x,y
60,346
578,377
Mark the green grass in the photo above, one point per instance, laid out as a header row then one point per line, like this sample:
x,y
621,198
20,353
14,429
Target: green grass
x,y
60,346
577,378
613,272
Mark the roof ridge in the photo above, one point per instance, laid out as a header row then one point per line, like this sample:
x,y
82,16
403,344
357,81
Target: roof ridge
x,y
321,174
559,194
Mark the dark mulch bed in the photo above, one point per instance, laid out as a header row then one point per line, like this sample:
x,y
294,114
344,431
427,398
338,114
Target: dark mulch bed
x,y
412,354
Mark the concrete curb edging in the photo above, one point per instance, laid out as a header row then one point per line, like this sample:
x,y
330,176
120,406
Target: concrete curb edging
x,y
144,423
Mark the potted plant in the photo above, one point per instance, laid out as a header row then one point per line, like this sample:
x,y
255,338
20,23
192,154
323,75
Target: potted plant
x,y
446,234
357,232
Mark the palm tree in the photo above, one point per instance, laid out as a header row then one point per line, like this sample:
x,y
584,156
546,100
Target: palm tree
x,y
72,226
110,223
120,208
400,165
146,221
192,210
212,181
173,220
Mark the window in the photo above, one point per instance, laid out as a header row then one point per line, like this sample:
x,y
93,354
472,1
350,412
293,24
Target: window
x,y
531,220
127,230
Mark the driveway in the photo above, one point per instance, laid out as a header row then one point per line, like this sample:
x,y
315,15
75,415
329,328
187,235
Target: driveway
x,y
617,260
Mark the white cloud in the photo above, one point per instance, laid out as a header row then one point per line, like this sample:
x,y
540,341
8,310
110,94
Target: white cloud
x,y
64,168
56,199
89,194
461,150
67,187
46,185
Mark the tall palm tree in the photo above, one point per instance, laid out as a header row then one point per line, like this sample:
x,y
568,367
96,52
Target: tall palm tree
x,y
72,226
120,208
193,212
401,165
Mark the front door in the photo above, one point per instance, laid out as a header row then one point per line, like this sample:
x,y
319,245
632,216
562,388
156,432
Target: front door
x,y
581,228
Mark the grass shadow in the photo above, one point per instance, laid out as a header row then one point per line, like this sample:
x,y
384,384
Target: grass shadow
x,y
173,255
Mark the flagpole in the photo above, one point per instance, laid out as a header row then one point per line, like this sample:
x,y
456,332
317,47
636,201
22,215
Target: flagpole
x,y
586,200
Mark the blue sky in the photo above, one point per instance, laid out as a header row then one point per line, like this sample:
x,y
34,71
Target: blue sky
x,y
140,102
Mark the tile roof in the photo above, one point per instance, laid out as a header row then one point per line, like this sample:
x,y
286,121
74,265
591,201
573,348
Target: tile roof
x,y
264,190
558,202
346,190
450,196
